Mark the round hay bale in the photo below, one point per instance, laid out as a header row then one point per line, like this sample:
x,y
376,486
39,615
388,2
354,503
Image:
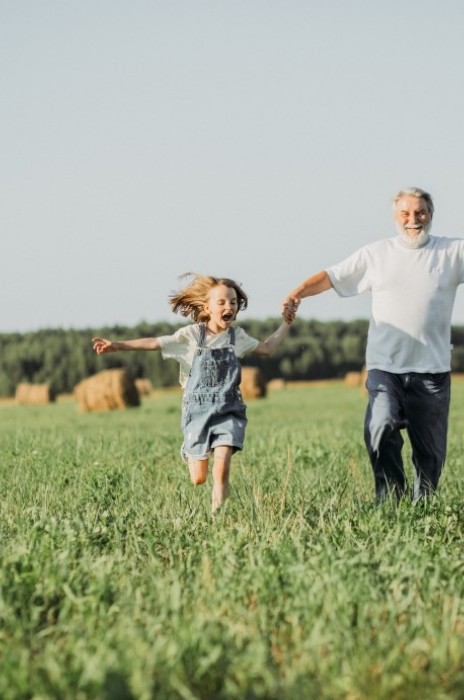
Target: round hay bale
x,y
106,391
276,384
253,385
144,386
353,379
363,381
34,394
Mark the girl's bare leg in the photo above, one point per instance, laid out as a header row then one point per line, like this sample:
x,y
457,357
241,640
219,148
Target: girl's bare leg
x,y
198,471
221,472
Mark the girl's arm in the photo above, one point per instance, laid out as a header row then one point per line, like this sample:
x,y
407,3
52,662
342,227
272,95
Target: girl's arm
x,y
266,347
103,345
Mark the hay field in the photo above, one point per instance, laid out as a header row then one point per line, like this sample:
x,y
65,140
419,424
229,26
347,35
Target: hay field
x,y
115,584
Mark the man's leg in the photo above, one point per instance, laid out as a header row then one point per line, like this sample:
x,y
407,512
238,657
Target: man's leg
x,y
383,422
427,410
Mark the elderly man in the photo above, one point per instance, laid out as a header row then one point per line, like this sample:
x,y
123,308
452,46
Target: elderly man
x,y
412,278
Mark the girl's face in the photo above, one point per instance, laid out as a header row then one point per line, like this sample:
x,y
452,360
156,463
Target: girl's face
x,y
221,307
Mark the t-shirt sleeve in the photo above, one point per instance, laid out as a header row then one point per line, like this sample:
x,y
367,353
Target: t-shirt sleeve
x,y
244,343
350,277
175,346
460,244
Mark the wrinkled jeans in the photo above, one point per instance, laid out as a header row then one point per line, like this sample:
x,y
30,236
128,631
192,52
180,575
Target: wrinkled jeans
x,y
418,403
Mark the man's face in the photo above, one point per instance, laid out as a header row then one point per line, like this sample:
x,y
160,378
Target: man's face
x,y
412,216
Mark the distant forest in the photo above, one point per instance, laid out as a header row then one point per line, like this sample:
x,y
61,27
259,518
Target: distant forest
x,y
62,358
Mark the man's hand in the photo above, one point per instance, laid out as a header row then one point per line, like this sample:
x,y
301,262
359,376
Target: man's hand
x,y
289,308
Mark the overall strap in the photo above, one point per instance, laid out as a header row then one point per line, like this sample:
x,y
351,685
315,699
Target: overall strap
x,y
232,335
201,339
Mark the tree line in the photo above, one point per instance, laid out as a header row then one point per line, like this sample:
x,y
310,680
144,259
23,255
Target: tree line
x,y
62,358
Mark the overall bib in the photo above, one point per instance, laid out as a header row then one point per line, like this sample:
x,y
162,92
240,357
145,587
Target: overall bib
x,y
213,412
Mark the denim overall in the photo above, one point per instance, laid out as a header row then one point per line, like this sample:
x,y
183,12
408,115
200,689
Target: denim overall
x,y
213,412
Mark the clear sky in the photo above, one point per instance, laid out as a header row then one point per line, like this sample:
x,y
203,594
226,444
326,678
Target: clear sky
x,y
255,139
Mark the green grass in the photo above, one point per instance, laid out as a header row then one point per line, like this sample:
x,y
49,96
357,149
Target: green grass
x,y
116,585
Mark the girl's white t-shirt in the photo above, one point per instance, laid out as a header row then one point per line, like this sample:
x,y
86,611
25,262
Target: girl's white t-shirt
x,y
182,344
413,293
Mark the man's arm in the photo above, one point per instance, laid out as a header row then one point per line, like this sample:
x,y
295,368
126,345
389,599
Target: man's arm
x,y
318,283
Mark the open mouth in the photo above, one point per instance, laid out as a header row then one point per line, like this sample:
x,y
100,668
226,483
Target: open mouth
x,y
227,318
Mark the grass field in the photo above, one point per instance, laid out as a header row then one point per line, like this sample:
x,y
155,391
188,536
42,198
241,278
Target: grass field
x,y
116,585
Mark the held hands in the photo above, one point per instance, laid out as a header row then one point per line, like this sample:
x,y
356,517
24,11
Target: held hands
x,y
289,309
102,346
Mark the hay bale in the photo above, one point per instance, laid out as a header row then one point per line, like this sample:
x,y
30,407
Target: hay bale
x,y
34,394
144,387
107,390
253,385
276,384
363,381
353,379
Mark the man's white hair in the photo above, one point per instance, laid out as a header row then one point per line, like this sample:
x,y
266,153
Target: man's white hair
x,y
415,192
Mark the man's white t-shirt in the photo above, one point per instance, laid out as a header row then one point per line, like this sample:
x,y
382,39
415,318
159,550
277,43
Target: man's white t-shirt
x,y
182,344
413,292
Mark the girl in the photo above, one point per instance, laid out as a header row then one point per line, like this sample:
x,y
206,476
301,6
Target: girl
x,y
213,412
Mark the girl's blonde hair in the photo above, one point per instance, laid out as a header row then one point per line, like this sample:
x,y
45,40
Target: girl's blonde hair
x,y
190,300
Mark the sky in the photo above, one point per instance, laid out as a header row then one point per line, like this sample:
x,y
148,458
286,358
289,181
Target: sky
x,y
261,140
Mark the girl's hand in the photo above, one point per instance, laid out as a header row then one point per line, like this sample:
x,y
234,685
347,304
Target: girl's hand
x,y
102,346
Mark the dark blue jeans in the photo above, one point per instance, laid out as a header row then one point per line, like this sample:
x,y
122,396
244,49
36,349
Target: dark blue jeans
x,y
418,403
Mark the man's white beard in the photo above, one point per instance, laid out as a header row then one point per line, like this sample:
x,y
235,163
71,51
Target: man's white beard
x,y
418,241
